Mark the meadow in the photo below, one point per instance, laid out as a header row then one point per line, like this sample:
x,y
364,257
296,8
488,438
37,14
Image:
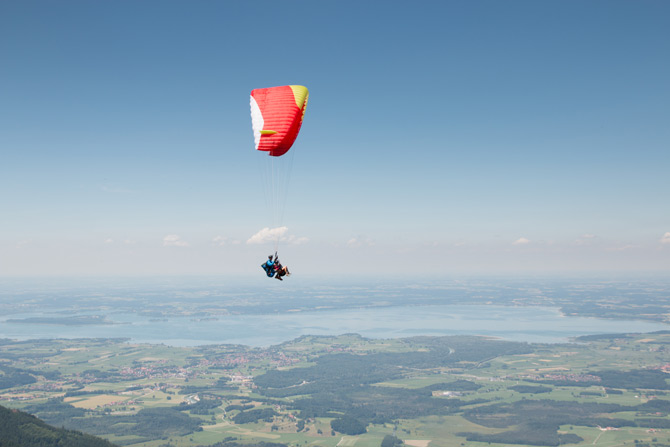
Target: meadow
x,y
427,391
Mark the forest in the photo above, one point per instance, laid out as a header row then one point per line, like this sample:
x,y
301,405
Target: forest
x,y
19,429
318,390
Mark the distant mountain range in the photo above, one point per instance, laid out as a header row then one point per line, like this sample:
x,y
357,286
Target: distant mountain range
x,y
19,429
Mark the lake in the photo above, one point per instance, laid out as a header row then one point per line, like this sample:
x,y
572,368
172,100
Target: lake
x,y
530,324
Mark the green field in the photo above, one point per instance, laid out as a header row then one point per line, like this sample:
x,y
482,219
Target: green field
x,y
428,391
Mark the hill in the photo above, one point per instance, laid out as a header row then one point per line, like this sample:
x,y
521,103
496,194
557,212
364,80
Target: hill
x,y
19,429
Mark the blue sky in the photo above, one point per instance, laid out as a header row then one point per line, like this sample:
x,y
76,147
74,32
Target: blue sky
x,y
440,137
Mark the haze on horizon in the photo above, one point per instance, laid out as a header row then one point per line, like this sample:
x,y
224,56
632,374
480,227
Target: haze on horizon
x,y
443,137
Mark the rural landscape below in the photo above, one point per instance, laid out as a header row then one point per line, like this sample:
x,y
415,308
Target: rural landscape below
x,y
343,388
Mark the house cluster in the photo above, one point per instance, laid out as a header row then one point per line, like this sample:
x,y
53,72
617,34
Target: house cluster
x,y
275,358
157,372
120,403
563,377
20,397
243,380
665,368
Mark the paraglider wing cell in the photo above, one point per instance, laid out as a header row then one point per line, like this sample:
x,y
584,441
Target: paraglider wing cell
x,y
276,117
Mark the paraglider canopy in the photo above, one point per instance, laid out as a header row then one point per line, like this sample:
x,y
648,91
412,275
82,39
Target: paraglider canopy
x,y
276,117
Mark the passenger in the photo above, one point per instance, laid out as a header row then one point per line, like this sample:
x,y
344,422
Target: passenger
x,y
281,271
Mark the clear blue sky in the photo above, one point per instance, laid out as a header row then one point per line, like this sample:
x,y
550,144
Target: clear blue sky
x,y
440,137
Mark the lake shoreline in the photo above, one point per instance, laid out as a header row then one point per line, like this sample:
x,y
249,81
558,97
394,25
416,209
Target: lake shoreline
x,y
514,323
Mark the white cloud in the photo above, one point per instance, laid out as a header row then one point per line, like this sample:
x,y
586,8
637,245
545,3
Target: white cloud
x,y
276,234
109,240
220,240
666,238
294,240
356,242
267,235
172,240
585,239
521,241
353,242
